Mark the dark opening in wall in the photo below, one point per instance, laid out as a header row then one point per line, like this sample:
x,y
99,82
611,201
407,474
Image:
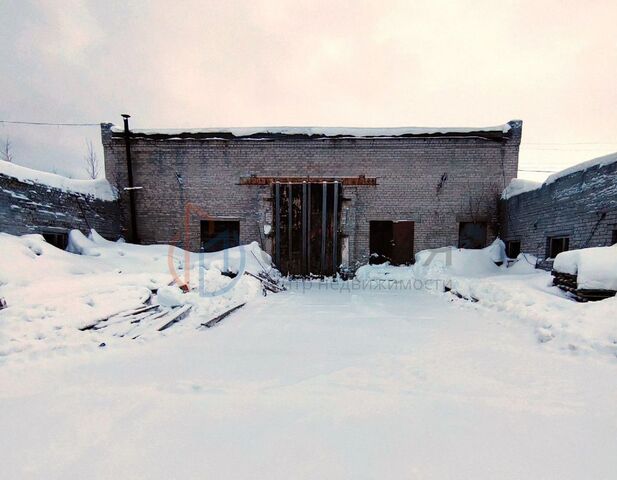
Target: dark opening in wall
x,y
614,240
218,235
513,248
472,235
57,239
391,242
556,245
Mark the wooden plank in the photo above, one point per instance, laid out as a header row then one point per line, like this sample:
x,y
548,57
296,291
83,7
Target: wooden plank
x,y
176,315
217,319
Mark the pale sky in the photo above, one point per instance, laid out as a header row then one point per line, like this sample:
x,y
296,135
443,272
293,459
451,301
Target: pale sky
x,y
310,63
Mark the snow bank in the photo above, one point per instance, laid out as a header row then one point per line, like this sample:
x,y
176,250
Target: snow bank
x,y
525,293
51,293
384,271
596,268
519,291
451,261
99,188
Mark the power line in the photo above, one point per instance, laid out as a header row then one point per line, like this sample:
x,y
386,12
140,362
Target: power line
x,y
52,124
568,143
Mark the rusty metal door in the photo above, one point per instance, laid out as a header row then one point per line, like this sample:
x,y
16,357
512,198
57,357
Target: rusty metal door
x,y
306,223
402,248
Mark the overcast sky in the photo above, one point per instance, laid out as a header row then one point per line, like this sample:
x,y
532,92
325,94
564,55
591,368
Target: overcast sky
x,y
327,63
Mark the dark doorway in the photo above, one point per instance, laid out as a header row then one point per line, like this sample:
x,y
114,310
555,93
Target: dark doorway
x,y
391,242
57,239
306,223
513,248
218,235
472,235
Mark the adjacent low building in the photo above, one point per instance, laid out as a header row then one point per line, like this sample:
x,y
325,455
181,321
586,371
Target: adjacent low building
x,y
38,202
315,198
575,208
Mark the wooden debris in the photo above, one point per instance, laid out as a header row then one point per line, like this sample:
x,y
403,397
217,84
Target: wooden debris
x,y
569,283
217,319
176,315
2,303
461,296
268,285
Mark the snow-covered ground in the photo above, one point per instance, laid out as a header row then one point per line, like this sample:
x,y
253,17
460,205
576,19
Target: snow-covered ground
x,y
374,378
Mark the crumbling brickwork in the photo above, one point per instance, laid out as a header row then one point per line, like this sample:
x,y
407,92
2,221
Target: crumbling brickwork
x,y
435,181
581,206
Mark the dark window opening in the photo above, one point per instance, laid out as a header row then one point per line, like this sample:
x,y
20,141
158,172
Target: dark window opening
x,y
472,235
217,235
57,239
558,245
614,240
391,242
513,248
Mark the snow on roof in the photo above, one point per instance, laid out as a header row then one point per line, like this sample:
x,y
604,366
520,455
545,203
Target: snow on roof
x,y
240,132
99,188
518,185
599,162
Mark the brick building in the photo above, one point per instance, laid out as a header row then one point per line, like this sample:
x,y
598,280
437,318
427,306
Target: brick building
x,y
576,208
39,205
314,198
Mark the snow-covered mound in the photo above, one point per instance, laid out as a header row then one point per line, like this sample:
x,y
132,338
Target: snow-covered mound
x,y
595,268
52,293
99,188
519,291
451,261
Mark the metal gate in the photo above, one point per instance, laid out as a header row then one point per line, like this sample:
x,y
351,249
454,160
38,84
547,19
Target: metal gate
x,y
306,224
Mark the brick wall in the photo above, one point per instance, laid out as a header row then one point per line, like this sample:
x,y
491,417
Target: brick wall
x,y
581,206
436,182
34,208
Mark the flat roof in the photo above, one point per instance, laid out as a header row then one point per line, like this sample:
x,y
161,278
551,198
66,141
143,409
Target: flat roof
x,y
259,133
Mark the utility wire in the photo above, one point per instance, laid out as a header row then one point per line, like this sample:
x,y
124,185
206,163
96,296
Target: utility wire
x,y
53,124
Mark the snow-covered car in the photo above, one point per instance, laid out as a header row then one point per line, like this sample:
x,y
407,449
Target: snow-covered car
x,y
589,273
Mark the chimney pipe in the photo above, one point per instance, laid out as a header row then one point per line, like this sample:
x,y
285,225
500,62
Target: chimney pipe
x,y
129,166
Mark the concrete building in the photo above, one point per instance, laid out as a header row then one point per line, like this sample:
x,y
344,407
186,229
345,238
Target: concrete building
x,y
315,198
575,208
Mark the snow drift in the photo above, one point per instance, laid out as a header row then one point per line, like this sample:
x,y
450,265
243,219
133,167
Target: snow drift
x,y
595,268
52,293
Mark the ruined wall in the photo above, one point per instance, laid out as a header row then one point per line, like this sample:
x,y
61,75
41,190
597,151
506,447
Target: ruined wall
x,y
437,182
27,207
581,206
